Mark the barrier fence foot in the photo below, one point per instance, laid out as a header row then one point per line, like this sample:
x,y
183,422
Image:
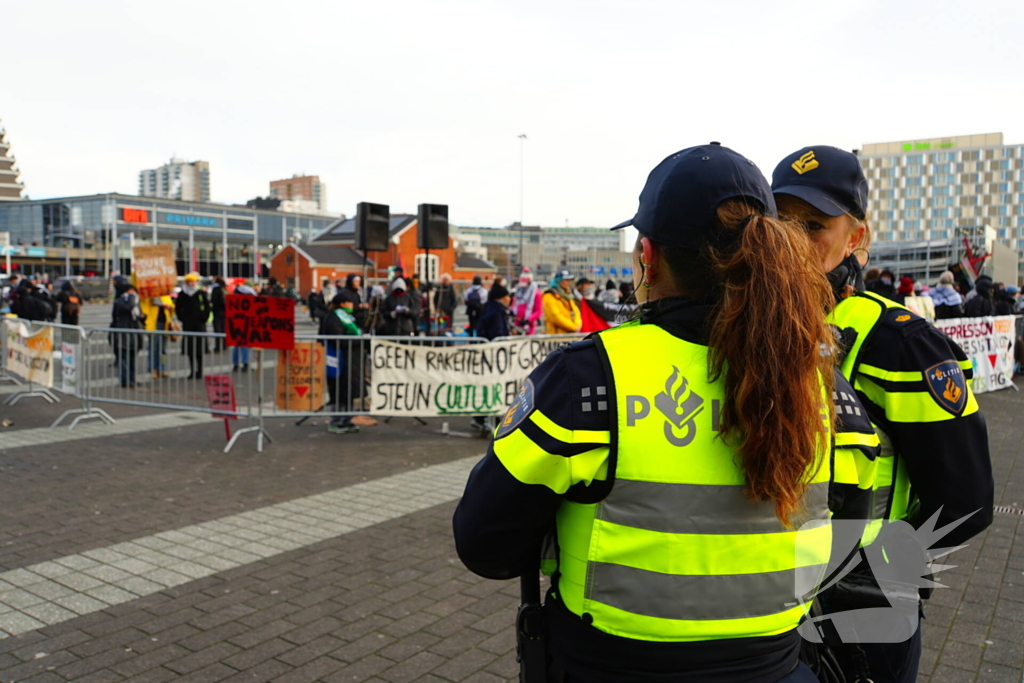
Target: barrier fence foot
x,y
261,433
42,393
10,378
83,414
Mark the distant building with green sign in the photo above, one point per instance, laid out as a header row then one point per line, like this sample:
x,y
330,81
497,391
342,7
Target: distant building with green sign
x,y
930,190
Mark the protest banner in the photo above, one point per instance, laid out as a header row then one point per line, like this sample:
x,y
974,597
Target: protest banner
x,y
300,377
471,379
988,343
220,394
69,368
156,273
264,322
29,355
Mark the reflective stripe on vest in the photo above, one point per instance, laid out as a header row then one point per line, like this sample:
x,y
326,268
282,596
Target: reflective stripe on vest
x,y
676,551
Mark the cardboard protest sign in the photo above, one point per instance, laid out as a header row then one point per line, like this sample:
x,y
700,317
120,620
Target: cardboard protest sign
x,y
156,273
69,354
924,306
471,379
988,343
29,356
220,394
300,377
264,322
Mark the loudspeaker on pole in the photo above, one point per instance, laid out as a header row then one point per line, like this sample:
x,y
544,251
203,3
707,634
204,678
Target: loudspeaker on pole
x,y
372,226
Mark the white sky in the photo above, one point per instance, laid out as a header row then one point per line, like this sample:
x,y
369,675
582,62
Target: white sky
x,y
403,102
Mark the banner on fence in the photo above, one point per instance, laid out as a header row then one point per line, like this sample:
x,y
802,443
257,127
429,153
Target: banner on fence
x,y
300,377
265,322
69,368
471,379
988,342
155,271
29,356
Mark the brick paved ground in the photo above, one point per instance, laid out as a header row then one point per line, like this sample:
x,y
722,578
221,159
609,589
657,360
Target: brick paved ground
x,y
386,603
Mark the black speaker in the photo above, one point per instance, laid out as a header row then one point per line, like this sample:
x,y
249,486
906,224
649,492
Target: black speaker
x,y
372,223
432,226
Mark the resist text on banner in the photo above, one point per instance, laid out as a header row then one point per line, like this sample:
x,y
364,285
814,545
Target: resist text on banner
x,y
30,356
471,379
155,271
265,322
300,377
988,343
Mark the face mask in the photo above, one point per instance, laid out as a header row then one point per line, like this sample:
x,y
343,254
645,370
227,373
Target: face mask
x,y
886,280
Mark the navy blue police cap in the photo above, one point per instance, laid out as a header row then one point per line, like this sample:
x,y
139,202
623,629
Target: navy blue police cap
x,y
679,202
828,178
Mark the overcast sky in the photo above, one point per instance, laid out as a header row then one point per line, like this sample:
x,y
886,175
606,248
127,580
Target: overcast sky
x,y
403,102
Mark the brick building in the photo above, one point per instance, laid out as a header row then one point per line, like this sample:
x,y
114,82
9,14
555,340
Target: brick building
x,y
299,188
331,254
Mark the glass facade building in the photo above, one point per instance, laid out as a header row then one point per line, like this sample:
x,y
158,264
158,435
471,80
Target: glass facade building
x,y
932,190
226,239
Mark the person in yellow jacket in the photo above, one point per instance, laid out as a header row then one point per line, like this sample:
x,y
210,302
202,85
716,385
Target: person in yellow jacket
x,y
159,310
677,467
561,312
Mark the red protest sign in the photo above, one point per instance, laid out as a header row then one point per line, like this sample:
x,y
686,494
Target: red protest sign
x,y
264,322
220,393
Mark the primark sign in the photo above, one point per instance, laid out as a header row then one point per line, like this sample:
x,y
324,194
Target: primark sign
x,y
189,220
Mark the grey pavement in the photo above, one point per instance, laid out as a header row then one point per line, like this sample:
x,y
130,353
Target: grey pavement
x,y
329,558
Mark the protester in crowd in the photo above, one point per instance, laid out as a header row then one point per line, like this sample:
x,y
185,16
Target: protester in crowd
x,y
671,550
70,302
982,303
240,354
316,303
33,304
127,316
401,310
1014,301
378,293
193,309
905,289
494,323
157,313
610,294
398,273
585,289
10,292
272,288
474,298
46,290
626,288
360,302
444,302
914,382
1003,300
344,378
527,306
217,305
871,276
948,302
561,312
500,280
885,285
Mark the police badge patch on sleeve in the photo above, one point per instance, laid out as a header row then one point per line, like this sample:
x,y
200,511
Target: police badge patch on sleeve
x,y
517,412
948,386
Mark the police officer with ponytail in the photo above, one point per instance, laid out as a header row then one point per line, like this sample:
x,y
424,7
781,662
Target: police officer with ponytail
x,y
913,380
676,469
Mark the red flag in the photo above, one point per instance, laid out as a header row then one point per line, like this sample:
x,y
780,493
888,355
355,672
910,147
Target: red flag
x,y
592,322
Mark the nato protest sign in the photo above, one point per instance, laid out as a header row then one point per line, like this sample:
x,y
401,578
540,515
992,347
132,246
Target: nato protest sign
x,y
300,377
988,343
469,379
155,271
263,322
29,354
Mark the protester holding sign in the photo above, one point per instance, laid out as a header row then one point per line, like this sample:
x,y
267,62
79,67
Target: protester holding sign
x,y
914,382
342,359
193,308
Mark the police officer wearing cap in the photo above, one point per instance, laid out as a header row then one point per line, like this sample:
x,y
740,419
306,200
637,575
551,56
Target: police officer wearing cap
x,y
913,380
677,467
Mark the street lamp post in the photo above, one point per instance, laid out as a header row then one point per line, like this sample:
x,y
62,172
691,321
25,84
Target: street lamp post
x,y
522,139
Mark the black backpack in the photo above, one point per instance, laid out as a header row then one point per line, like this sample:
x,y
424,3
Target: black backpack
x,y
979,307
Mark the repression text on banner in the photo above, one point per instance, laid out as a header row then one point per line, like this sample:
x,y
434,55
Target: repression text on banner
x,y
988,342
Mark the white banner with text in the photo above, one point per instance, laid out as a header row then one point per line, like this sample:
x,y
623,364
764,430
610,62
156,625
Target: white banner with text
x,y
988,342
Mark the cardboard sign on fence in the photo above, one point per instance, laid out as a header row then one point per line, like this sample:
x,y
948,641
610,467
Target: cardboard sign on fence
x,y
264,322
300,377
30,356
155,271
220,393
